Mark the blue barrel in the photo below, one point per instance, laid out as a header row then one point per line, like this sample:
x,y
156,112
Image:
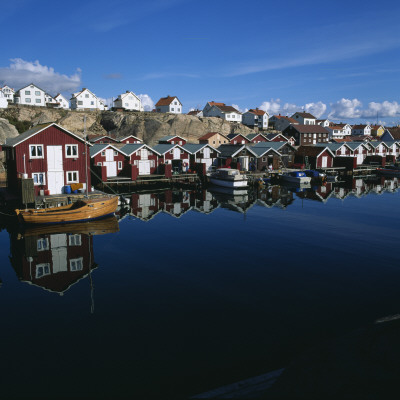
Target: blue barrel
x,y
67,189
75,191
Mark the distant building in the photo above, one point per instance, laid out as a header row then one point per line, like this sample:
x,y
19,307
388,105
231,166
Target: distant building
x,y
86,100
304,118
223,111
30,95
214,139
62,101
307,135
377,130
323,122
128,101
3,100
169,104
361,130
281,122
172,139
195,113
8,93
255,118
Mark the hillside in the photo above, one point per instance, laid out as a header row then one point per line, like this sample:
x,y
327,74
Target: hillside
x,y
145,125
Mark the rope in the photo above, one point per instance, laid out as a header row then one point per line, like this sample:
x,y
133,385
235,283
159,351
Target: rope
x,y
8,215
105,183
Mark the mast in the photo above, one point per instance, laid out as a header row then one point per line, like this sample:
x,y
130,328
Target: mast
x,y
86,151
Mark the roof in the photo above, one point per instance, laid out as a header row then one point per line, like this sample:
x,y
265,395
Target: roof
x,y
360,126
131,148
309,128
273,145
30,85
98,147
395,132
313,151
230,150
332,146
355,145
166,101
256,111
194,148
304,115
233,135
261,150
12,142
165,148
213,103
289,119
271,136
251,136
126,137
74,95
193,112
211,134
228,109
169,137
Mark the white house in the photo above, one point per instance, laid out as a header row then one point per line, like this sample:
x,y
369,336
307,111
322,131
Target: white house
x,y
339,131
50,101
8,93
256,118
361,130
62,101
220,110
30,95
128,101
169,104
304,118
86,100
3,100
323,122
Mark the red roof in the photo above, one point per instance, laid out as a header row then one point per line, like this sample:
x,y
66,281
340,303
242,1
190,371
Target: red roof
x,y
193,112
213,103
211,134
304,115
257,111
291,120
165,101
310,128
228,109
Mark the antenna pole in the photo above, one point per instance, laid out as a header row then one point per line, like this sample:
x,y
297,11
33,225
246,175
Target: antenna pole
x,y
86,159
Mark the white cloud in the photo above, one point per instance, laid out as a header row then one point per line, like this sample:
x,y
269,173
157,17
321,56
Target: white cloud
x,y
346,108
21,73
316,109
239,109
384,109
147,102
276,107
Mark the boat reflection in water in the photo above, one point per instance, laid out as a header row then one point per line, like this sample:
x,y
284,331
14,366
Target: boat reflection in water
x,y
55,257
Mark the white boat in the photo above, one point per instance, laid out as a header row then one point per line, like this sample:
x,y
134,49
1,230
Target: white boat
x,y
296,177
228,177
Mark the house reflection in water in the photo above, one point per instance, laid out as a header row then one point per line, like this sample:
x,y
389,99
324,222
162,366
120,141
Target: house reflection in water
x,y
54,260
275,196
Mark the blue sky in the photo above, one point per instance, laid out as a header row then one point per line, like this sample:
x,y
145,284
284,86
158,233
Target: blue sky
x,y
337,59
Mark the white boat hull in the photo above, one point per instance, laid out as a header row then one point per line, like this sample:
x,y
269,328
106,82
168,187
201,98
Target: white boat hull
x,y
229,183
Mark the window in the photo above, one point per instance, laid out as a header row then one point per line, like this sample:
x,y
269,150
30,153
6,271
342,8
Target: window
x,y
38,100
37,93
119,164
42,270
152,163
39,178
36,151
172,109
72,177
92,103
71,150
76,264
214,141
99,164
180,142
126,104
171,152
115,152
28,100
86,95
178,109
264,159
80,103
28,92
182,151
43,244
75,240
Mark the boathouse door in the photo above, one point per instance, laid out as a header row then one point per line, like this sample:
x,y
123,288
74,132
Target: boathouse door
x,y
55,170
144,167
110,163
59,252
324,161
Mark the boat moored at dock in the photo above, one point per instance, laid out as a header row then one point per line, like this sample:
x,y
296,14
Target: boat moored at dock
x,y
228,177
389,170
295,177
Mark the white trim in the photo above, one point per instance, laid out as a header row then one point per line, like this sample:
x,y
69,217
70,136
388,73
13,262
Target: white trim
x,y
76,264
77,151
30,151
72,172
38,183
119,165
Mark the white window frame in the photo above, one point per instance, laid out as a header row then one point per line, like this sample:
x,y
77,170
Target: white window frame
x,y
119,165
72,180
99,164
76,264
72,146
75,240
43,244
43,266
38,183
103,153
35,146
115,152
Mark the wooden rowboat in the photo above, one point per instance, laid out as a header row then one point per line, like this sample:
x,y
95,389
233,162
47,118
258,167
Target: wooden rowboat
x,y
81,210
94,227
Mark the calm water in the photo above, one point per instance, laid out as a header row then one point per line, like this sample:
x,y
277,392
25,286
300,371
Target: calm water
x,y
195,290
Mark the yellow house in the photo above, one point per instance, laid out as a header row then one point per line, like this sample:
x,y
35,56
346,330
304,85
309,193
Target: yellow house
x,y
377,130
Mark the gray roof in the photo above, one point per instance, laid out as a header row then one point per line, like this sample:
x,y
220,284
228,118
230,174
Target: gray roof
x,y
98,147
227,150
164,148
131,148
194,148
260,151
273,145
355,145
11,142
169,137
332,146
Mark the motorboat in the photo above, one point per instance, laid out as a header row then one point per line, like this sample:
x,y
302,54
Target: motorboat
x,y
295,177
228,177
81,210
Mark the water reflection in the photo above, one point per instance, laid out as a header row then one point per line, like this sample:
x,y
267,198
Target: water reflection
x,y
56,257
